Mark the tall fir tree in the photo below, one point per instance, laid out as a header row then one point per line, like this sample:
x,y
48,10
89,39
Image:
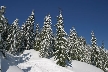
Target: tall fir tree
x,y
13,38
3,31
29,34
37,38
46,38
102,57
61,43
87,53
21,39
106,58
3,28
82,49
94,53
73,44
23,35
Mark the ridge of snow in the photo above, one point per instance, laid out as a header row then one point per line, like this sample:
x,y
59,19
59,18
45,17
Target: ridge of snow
x,y
37,64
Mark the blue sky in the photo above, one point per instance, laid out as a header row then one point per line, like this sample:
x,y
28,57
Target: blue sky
x,y
84,15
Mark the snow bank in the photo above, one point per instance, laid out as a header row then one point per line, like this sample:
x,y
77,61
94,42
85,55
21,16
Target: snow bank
x,y
37,64
32,54
78,66
42,65
30,61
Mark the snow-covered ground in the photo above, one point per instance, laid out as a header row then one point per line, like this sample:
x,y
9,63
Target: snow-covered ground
x,y
84,67
36,64
30,61
8,65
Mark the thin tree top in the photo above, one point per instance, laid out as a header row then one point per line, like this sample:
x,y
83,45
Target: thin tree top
x,y
2,11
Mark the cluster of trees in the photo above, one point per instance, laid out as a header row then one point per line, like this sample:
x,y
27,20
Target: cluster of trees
x,y
63,47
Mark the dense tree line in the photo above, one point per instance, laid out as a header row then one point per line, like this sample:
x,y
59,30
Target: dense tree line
x,y
60,45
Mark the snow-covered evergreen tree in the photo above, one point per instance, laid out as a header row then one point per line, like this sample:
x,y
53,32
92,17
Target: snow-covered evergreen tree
x,y
94,52
73,44
83,51
21,39
87,55
37,38
3,28
61,46
13,38
106,60
102,57
29,34
46,38
23,36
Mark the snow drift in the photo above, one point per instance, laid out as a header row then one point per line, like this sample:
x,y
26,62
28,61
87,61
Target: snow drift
x,y
33,63
78,66
37,64
30,61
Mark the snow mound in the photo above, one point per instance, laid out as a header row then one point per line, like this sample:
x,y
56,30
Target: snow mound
x,y
34,63
78,66
42,65
37,64
30,61
32,54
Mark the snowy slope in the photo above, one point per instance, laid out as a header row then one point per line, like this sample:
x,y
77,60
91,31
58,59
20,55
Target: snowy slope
x,y
8,65
30,61
78,66
36,64
33,63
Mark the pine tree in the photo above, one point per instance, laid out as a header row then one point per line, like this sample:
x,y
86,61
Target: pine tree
x,y
46,38
85,51
29,34
3,28
23,36
102,57
87,54
82,49
106,60
53,45
73,44
21,39
10,29
94,53
13,38
61,43
37,38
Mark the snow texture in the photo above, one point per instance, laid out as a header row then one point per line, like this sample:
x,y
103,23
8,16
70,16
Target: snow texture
x,y
78,66
30,61
37,64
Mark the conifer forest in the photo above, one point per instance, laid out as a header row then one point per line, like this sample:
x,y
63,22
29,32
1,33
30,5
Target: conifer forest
x,y
60,45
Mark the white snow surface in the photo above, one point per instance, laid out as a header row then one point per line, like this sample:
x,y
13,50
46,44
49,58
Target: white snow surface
x,y
78,66
30,61
37,64
7,65
14,69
